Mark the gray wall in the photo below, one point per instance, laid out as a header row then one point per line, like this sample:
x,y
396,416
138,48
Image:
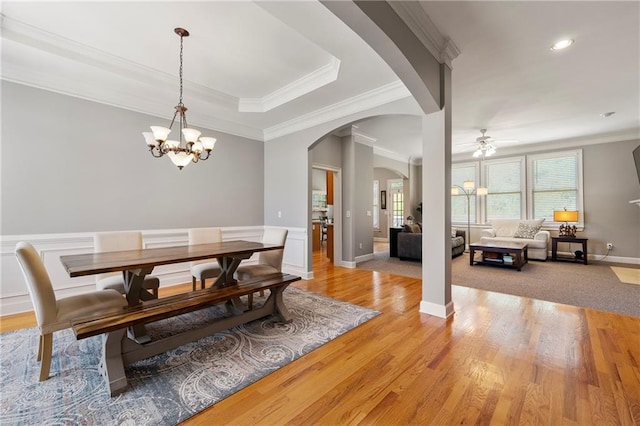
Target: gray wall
x,y
362,215
610,182
383,175
327,152
71,165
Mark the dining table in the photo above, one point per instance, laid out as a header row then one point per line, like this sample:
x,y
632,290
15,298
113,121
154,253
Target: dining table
x,y
136,264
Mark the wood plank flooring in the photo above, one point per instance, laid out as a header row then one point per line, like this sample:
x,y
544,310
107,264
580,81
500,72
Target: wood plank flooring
x,y
499,360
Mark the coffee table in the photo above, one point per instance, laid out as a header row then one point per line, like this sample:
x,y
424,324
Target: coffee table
x,y
493,254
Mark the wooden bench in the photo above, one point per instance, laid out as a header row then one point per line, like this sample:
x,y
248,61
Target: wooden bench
x,y
120,350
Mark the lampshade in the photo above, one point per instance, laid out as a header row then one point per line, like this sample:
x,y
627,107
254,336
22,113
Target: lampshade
x,y
482,190
468,184
180,159
565,216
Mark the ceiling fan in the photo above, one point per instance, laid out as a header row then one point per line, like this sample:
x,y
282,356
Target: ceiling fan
x,y
485,145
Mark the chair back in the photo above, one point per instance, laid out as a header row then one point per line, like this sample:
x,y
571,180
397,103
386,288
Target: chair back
x,y
273,258
38,282
204,236
116,241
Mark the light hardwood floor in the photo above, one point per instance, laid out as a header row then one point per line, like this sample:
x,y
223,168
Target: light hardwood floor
x,y
499,360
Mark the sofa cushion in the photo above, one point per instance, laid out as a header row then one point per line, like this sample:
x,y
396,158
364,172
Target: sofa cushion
x,y
527,231
508,227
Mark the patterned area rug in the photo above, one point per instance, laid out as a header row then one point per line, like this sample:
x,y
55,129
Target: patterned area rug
x,y
172,386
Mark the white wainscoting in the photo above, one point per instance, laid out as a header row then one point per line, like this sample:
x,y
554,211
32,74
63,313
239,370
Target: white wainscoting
x,y
14,297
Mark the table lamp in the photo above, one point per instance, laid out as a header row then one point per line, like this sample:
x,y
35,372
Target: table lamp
x,y
565,216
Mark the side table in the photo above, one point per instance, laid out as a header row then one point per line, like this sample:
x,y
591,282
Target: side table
x,y
554,248
393,241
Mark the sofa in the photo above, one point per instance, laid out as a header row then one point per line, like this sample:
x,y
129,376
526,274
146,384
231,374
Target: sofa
x,y
410,242
521,231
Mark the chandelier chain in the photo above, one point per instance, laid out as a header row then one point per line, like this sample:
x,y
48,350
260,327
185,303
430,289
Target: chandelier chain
x,y
181,39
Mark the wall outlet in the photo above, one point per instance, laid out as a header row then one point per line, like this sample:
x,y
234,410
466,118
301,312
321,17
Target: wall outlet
x,y
360,245
609,246
279,214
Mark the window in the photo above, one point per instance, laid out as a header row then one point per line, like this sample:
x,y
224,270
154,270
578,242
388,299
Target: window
x,y
505,181
521,187
460,173
555,182
396,196
376,211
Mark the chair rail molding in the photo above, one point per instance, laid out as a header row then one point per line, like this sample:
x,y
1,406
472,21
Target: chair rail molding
x,y
14,297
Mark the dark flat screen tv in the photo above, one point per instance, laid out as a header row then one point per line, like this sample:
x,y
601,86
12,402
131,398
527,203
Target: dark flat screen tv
x,y
636,158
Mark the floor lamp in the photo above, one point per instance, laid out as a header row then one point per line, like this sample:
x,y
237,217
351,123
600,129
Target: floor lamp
x,y
468,188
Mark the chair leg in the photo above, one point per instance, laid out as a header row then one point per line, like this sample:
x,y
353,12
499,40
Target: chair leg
x,y
40,344
193,283
46,348
202,284
261,293
250,300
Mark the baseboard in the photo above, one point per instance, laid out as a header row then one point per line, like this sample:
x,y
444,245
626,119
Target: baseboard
x,y
603,258
347,264
441,311
380,240
364,258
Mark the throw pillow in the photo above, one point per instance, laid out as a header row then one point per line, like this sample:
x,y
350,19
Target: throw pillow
x,y
415,228
527,231
407,228
453,232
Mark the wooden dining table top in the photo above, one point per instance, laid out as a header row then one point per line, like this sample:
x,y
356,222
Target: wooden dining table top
x,y
78,265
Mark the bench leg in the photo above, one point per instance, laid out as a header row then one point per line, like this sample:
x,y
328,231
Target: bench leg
x,y
280,309
111,366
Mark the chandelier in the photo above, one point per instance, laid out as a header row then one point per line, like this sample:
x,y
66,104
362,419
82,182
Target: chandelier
x,y
194,149
484,148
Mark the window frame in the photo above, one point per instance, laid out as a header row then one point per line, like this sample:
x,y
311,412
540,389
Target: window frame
x,y
579,190
526,183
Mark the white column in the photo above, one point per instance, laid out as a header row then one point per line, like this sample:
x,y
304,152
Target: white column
x,y
436,217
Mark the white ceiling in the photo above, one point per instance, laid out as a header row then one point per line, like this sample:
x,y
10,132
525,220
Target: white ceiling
x,y
294,64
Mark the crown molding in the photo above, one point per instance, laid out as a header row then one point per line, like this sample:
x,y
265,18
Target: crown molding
x,y
363,139
390,154
307,84
382,95
421,25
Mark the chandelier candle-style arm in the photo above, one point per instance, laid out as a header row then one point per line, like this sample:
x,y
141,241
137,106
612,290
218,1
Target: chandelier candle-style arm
x,y
195,148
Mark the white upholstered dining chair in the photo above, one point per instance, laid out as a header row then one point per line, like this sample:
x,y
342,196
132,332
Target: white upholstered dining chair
x,y
204,269
57,314
117,241
269,262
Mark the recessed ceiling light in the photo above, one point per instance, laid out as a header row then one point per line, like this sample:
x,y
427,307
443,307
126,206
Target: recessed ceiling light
x,y
607,114
562,44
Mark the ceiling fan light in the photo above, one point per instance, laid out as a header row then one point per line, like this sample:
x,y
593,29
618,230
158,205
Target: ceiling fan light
x,y
477,154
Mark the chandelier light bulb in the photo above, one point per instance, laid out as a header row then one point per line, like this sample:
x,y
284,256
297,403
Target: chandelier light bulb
x,y
208,143
149,139
160,133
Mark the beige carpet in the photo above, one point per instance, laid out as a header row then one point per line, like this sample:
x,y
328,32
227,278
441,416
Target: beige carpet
x,y
593,286
627,275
